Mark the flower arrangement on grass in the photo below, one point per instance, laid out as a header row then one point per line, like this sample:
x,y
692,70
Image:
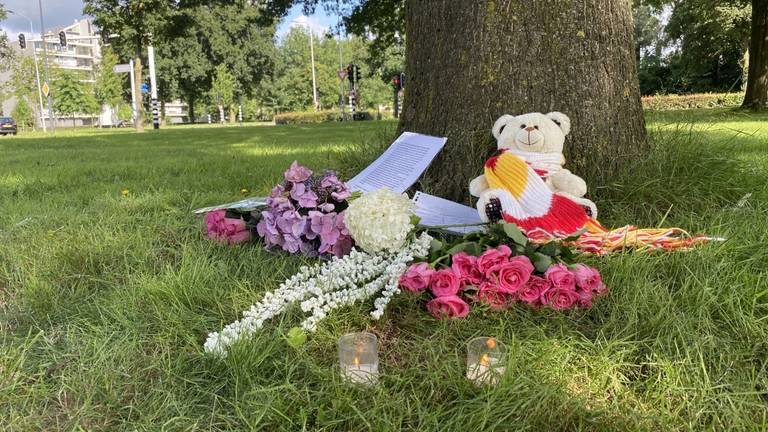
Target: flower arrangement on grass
x,y
499,269
372,240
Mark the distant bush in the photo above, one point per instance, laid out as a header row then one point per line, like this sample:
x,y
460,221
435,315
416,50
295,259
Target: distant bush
x,y
306,117
689,101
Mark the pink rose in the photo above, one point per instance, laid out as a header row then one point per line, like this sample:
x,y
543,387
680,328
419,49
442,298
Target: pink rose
x,y
585,298
512,275
561,277
533,291
587,278
560,298
448,307
212,220
235,231
444,283
465,266
417,277
490,295
493,257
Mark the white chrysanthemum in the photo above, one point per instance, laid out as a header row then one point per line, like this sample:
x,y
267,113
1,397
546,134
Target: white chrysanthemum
x,y
379,220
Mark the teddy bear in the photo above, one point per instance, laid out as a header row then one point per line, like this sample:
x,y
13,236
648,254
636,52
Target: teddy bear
x,y
538,140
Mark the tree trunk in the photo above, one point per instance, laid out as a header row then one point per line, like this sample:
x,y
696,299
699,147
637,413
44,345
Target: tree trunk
x,y
469,62
756,96
139,121
221,114
191,109
232,114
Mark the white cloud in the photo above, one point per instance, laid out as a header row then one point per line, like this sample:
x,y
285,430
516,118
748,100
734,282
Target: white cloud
x,y
306,22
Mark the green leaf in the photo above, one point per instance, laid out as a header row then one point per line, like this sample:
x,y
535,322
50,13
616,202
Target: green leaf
x,y
550,249
415,220
296,337
435,246
513,232
541,262
461,247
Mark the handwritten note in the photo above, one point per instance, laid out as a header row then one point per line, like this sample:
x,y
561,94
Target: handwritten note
x,y
400,165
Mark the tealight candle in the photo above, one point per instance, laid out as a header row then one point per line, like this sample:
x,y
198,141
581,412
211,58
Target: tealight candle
x,y
486,358
359,358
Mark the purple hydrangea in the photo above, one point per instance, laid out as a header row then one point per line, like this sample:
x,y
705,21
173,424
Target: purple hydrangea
x,y
305,214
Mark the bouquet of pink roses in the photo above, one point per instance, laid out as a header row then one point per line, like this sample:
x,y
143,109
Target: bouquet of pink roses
x,y
501,275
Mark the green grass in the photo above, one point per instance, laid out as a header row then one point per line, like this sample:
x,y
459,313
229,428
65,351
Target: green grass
x,y
105,300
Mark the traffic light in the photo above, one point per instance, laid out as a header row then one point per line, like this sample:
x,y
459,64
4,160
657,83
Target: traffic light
x,y
396,82
22,41
351,72
62,38
357,73
402,80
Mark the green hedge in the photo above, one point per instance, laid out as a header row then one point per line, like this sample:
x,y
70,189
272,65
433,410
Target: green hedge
x,y
306,117
689,101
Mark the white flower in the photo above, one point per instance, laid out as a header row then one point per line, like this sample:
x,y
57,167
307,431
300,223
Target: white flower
x,y
379,220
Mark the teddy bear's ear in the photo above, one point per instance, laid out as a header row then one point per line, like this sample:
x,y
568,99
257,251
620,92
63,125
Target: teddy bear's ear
x,y
561,120
500,124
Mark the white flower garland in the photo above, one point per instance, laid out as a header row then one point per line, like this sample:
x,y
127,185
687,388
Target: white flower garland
x,y
325,287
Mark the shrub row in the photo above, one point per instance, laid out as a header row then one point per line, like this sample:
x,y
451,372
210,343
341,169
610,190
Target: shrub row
x,y
689,101
306,117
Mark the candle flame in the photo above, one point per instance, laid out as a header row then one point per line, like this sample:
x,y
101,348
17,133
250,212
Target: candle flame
x,y
490,343
485,360
356,362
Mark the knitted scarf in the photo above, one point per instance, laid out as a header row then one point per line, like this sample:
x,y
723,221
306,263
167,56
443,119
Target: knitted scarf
x,y
544,164
543,215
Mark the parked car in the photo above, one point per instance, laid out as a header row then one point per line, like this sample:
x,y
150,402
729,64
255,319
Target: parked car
x,y
8,126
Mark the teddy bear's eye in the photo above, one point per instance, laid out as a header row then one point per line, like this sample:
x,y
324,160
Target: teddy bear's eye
x,y
557,122
522,126
536,127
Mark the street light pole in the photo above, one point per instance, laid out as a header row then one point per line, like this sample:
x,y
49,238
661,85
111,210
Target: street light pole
x,y
45,61
37,69
314,79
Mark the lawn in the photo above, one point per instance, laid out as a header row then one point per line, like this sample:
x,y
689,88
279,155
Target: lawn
x,y
108,290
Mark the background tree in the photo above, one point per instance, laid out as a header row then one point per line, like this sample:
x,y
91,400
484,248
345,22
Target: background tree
x,y
109,86
6,54
23,114
223,89
710,39
69,94
756,96
134,22
21,83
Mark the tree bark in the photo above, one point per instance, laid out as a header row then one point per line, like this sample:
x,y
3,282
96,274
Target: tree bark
x,y
139,121
191,108
469,62
232,114
756,96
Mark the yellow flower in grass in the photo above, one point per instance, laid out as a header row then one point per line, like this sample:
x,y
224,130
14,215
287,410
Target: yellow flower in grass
x,y
125,193
244,191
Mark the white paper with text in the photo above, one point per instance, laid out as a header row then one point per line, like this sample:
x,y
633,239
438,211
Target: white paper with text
x,y
400,165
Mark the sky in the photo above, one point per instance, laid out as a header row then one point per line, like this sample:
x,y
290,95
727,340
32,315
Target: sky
x,y
58,13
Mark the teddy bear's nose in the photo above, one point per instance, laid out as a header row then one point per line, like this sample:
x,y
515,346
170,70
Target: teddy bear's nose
x,y
530,129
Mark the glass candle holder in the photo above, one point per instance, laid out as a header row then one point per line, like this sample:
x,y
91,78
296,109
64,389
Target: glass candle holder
x,y
359,358
486,360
